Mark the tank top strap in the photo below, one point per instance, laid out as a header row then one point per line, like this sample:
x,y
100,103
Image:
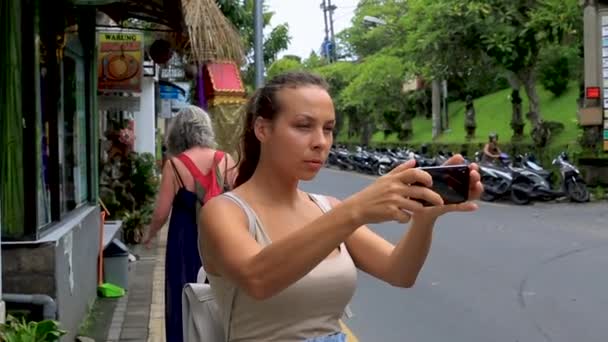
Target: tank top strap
x,y
252,218
193,169
218,176
217,157
179,177
321,201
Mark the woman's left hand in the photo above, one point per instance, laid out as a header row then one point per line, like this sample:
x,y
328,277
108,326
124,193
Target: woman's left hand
x,y
148,239
475,190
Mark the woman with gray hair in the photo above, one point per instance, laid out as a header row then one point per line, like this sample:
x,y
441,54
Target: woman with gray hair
x,y
195,173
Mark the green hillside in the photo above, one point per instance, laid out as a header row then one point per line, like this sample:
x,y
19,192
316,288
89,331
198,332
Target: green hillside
x,y
493,113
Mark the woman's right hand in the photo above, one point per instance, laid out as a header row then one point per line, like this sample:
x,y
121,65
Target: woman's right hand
x,y
393,196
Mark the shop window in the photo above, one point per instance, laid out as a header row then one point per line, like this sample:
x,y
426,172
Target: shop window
x,y
72,136
44,188
63,180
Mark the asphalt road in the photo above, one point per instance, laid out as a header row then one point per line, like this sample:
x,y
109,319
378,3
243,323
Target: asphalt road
x,y
504,273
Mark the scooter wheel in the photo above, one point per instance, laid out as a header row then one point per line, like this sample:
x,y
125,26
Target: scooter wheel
x,y
519,197
577,192
383,169
487,197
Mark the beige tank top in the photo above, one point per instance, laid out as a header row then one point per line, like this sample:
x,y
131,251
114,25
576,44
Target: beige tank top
x,y
310,307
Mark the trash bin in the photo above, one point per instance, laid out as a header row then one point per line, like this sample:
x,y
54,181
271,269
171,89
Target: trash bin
x,y
116,264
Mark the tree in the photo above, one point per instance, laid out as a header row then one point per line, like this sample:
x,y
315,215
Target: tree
x,y
364,38
314,61
375,93
447,36
285,64
240,13
338,75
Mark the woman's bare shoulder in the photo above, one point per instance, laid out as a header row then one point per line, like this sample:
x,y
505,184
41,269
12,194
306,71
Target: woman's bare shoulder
x,y
221,210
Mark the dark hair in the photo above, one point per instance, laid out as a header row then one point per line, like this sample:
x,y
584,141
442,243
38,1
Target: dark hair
x,y
263,103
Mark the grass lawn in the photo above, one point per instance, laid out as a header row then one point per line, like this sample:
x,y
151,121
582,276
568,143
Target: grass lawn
x,y
493,114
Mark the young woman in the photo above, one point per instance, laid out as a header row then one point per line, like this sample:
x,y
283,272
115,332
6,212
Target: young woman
x,y
296,272
193,174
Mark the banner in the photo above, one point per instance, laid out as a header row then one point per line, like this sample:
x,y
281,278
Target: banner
x,y
120,61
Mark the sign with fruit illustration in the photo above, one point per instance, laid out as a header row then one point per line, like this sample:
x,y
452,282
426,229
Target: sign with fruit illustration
x,y
120,61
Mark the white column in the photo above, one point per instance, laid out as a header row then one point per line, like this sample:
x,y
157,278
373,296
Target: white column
x,y
145,119
592,44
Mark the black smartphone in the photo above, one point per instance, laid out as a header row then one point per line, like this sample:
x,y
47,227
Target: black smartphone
x,y
451,182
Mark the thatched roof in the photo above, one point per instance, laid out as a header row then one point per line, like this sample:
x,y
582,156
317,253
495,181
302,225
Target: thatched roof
x,y
211,35
198,28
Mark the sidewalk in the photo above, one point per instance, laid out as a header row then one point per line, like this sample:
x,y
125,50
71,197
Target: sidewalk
x,y
139,315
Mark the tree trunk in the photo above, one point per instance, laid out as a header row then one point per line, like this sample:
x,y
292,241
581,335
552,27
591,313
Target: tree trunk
x,y
350,127
514,81
436,109
445,123
540,135
517,120
407,128
367,132
339,123
533,101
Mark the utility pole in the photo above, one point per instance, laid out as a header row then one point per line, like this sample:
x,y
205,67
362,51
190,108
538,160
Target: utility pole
x,y
332,8
328,17
258,18
323,8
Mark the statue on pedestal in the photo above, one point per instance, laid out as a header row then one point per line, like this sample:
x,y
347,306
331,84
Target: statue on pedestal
x,y
469,120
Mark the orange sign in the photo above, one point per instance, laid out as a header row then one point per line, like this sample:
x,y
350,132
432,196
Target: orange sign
x,y
120,61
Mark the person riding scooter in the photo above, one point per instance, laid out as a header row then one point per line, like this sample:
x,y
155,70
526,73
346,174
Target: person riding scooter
x,y
491,152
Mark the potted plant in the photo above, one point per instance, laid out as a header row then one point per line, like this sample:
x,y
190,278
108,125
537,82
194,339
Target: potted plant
x,y
15,330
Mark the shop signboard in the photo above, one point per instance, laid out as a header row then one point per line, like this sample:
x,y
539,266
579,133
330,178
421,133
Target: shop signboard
x,y
120,61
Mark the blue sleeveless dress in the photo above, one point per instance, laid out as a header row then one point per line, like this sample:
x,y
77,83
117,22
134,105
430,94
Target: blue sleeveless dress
x,y
182,261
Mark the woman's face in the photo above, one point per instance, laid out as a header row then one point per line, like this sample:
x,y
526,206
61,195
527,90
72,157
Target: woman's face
x,y
298,140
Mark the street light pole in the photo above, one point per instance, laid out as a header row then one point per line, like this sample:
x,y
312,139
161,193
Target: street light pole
x,y
258,19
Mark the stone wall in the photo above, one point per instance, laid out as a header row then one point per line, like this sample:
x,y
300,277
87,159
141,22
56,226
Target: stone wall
x,y
62,265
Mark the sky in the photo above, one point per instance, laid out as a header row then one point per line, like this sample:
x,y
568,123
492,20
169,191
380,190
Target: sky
x,y
305,19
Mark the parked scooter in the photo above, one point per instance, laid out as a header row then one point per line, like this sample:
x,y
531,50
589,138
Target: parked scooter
x,y
340,157
573,184
529,185
535,184
514,179
496,182
496,177
528,161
